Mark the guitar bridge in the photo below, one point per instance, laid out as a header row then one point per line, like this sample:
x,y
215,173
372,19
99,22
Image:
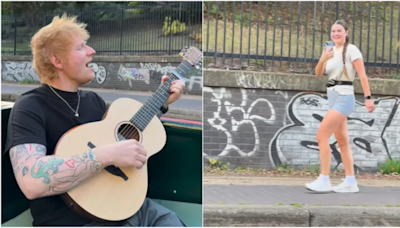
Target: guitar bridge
x,y
112,169
116,171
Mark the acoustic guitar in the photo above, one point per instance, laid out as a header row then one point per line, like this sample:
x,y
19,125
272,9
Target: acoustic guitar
x,y
115,194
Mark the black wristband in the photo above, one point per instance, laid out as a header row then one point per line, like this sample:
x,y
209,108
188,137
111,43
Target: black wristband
x,y
163,110
368,98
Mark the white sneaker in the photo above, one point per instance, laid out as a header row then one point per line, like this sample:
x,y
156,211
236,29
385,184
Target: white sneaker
x,y
346,187
319,185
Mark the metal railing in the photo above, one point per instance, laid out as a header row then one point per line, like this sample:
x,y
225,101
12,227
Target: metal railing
x,y
141,30
290,35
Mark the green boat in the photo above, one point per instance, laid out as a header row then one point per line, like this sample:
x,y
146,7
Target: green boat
x,y
175,175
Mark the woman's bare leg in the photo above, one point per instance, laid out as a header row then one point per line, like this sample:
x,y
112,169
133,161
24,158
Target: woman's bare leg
x,y
350,184
342,138
329,125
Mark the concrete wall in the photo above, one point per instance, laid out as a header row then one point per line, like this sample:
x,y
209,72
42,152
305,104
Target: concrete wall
x,y
137,73
176,113
263,120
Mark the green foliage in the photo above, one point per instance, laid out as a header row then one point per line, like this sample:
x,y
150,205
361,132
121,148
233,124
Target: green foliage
x,y
216,164
175,28
27,81
391,166
284,168
396,76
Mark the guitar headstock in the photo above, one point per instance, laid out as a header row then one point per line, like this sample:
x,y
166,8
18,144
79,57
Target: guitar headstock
x,y
193,55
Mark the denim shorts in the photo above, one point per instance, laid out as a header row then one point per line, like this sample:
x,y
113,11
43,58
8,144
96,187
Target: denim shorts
x,y
344,104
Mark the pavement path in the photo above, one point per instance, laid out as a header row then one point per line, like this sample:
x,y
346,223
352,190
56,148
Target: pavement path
x,y
285,191
185,102
284,201
287,181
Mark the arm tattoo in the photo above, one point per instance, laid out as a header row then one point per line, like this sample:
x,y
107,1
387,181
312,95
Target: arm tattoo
x,y
57,174
22,154
62,174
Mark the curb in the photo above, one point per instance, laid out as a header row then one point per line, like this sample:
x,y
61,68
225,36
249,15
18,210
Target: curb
x,y
176,113
254,215
271,215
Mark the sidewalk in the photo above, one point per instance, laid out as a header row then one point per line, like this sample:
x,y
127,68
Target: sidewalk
x,y
274,201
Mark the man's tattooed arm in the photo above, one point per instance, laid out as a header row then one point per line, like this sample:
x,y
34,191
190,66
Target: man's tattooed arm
x,y
39,175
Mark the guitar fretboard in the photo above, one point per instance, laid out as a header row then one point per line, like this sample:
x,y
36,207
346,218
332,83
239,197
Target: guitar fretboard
x,y
151,107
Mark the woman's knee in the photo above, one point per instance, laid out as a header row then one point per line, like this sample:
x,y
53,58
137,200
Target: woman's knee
x,y
322,136
343,143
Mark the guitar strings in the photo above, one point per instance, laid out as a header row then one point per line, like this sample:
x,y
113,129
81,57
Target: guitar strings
x,y
128,130
164,87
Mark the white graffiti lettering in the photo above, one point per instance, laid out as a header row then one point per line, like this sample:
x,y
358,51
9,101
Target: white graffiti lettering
x,y
164,70
257,80
100,72
18,71
194,80
133,74
374,137
249,118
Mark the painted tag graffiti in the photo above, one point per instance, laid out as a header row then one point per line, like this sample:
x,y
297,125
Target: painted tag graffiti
x,y
100,72
374,137
18,71
233,119
113,75
267,128
134,74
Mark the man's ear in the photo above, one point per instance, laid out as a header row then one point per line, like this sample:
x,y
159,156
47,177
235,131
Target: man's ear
x,y
56,61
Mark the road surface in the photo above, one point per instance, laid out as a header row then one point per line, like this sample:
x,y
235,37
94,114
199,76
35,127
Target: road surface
x,y
185,102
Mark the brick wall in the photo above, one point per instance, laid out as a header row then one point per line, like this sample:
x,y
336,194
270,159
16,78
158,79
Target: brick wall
x,y
113,72
263,120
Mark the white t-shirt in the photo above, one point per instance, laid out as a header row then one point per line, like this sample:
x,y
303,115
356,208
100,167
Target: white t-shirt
x,y
334,68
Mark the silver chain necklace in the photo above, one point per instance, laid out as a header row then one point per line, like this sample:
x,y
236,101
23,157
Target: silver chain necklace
x,y
79,100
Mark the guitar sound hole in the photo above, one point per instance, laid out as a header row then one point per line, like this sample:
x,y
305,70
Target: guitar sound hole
x,y
128,131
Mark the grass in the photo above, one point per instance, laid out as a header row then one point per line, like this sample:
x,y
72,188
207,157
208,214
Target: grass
x,y
302,45
132,40
217,167
296,205
391,166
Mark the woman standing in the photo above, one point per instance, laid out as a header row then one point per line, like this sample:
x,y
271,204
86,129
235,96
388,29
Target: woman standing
x,y
341,63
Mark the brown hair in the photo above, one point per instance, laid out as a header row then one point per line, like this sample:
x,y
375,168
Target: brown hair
x,y
55,38
346,28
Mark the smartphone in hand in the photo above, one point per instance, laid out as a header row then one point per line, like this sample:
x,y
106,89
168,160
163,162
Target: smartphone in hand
x,y
329,45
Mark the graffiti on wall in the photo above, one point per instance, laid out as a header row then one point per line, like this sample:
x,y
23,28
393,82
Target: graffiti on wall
x,y
18,71
232,119
282,125
15,71
374,137
123,76
133,74
99,71
259,80
146,71
155,67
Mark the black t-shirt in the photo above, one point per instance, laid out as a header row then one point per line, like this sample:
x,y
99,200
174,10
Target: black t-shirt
x,y
40,116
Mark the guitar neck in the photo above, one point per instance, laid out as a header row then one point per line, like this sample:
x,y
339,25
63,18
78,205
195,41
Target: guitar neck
x,y
152,106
